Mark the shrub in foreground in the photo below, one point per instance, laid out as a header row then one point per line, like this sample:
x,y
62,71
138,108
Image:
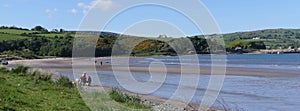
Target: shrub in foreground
x,y
64,82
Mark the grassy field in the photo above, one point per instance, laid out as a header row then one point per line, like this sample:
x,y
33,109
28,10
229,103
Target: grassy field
x,y
53,35
10,37
15,31
33,91
14,34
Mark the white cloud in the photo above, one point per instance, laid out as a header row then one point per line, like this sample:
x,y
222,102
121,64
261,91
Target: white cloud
x,y
74,11
85,8
81,4
51,12
104,5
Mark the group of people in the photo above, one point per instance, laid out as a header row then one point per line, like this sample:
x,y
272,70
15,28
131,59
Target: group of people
x,y
84,80
99,64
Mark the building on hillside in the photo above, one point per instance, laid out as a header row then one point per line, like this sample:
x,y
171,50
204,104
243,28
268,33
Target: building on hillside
x,y
256,38
191,52
163,36
238,48
298,49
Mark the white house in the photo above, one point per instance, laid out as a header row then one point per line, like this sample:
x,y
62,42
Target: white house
x,y
163,36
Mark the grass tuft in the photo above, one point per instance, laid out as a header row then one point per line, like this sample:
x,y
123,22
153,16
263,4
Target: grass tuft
x,y
3,70
20,70
130,101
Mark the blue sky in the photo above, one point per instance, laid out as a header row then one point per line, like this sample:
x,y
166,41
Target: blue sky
x,y
231,15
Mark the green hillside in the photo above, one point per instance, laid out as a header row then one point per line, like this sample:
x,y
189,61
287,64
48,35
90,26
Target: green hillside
x,y
38,41
274,38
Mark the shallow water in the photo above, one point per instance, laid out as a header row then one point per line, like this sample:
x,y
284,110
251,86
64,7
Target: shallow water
x,y
238,92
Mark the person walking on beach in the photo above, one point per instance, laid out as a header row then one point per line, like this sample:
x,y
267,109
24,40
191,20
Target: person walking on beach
x,y
101,63
83,78
89,81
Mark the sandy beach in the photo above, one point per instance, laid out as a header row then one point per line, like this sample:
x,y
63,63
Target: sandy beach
x,y
66,65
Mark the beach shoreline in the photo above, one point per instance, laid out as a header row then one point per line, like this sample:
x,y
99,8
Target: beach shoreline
x,y
65,65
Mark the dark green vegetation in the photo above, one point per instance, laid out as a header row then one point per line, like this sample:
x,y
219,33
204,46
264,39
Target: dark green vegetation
x,y
21,43
130,101
38,42
31,91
